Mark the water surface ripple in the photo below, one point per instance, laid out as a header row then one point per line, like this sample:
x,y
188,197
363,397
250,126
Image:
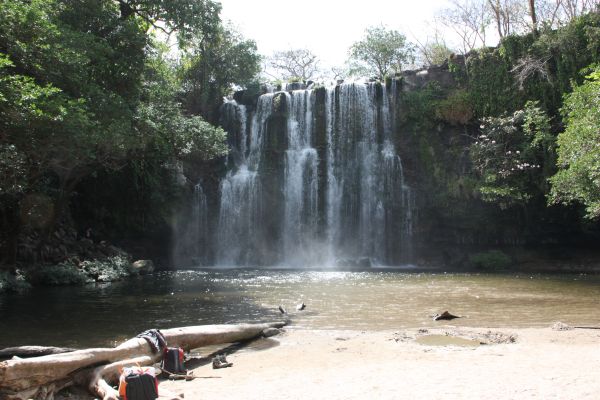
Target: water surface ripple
x,y
98,315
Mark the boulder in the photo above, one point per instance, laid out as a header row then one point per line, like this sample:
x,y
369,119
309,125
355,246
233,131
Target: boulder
x,y
143,267
445,316
294,86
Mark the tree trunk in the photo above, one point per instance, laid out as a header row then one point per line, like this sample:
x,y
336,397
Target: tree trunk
x,y
497,16
533,16
31,351
39,377
97,379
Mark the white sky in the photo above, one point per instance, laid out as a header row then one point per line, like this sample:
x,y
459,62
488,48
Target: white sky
x,y
326,27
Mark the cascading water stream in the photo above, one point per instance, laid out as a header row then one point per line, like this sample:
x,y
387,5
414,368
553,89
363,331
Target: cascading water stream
x,y
300,187
314,180
192,233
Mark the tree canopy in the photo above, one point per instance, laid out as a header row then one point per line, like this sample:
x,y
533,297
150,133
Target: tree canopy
x,y
211,65
578,178
380,52
295,64
85,86
511,154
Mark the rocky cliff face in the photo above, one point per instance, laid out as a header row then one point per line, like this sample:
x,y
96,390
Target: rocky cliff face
x,y
313,178
378,172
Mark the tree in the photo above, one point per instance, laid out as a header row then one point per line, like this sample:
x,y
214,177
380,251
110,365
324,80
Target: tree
x,y
184,17
381,52
469,19
75,99
509,16
434,51
574,8
555,13
512,156
578,178
77,111
533,15
295,64
212,65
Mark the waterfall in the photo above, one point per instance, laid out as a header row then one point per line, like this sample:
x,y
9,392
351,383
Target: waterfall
x,y
238,217
300,183
314,179
239,212
192,232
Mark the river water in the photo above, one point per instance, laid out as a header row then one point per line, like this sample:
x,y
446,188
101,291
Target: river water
x,y
107,314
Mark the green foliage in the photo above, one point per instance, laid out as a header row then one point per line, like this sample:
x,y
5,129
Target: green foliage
x,y
491,85
12,283
529,67
436,53
419,106
59,275
185,17
86,90
380,53
13,173
212,65
62,112
511,155
68,273
490,260
112,269
578,178
456,108
160,123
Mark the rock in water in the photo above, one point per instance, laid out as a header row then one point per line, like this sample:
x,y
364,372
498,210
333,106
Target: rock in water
x,y
143,267
282,310
300,306
444,316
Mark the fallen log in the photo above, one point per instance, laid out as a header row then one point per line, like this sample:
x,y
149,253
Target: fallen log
x,y
39,377
31,351
97,378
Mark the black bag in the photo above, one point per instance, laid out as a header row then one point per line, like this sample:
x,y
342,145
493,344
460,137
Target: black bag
x,y
141,387
173,361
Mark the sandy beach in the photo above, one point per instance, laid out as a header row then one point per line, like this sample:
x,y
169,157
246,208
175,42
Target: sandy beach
x,y
319,364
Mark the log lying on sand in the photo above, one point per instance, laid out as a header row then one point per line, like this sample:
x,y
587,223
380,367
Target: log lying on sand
x,y
40,377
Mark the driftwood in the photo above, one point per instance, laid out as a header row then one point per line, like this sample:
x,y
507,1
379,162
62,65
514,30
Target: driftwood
x,y
31,351
41,377
97,378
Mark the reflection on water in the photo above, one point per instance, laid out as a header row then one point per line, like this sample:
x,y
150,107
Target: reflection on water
x,y
382,299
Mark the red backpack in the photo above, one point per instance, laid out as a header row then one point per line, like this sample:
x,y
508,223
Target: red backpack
x,y
172,361
138,383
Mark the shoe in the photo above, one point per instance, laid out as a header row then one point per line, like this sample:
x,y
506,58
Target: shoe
x,y
220,362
